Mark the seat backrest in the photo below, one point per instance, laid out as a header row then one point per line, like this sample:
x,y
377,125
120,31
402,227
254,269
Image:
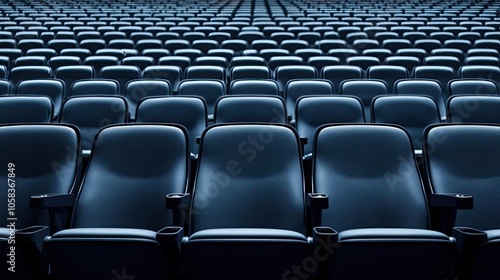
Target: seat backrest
x,y
370,176
297,88
20,73
465,159
388,73
25,109
71,74
313,111
95,87
52,88
443,74
188,111
473,109
121,73
472,87
413,113
423,87
243,171
251,87
239,108
366,90
119,190
339,73
91,113
210,90
44,158
136,90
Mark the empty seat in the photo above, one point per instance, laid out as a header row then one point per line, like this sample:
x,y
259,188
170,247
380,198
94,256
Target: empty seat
x,y
139,61
91,113
366,90
250,72
254,87
26,109
173,74
21,73
58,61
100,61
103,226
449,61
362,165
95,87
473,151
422,87
339,73
473,109
121,73
52,88
211,61
71,74
206,72
480,72
472,87
413,113
255,108
30,61
312,112
136,90
388,73
210,90
284,74
31,152
298,88
408,62
276,239
188,111
482,60
5,87
443,74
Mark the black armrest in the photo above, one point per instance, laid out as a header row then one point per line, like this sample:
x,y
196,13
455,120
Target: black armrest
x,y
170,239
316,202
29,241
468,242
52,200
59,206
179,203
451,200
444,210
325,241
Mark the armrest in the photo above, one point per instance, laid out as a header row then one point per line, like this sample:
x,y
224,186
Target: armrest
x,y
316,202
59,206
325,241
451,200
468,242
444,210
170,239
52,200
179,203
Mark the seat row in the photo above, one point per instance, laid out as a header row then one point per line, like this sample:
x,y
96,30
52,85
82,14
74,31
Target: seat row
x,y
306,112
248,215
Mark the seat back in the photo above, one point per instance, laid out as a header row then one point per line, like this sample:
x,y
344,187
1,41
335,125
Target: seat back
x,y
237,108
119,191
189,111
413,113
370,176
136,90
44,159
312,112
91,113
25,109
366,90
473,109
243,171
464,159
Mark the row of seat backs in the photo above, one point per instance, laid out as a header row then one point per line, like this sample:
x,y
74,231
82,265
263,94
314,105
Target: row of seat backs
x,y
373,150
414,113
